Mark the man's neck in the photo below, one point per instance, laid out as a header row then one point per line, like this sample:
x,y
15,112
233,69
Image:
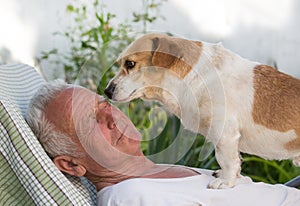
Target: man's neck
x,y
142,169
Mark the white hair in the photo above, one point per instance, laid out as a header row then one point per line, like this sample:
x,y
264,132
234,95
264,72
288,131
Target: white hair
x,y
55,142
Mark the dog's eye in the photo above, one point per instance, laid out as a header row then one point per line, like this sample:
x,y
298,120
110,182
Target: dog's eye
x,y
129,64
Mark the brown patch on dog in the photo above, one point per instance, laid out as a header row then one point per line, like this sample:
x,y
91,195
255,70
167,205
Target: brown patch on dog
x,y
295,143
153,93
199,43
142,60
175,54
276,102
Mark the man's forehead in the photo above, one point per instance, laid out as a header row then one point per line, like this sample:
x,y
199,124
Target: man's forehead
x,y
71,104
73,98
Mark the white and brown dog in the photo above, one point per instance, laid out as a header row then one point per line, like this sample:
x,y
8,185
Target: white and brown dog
x,y
239,105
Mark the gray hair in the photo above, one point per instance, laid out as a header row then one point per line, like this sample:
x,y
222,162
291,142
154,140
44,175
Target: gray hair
x,y
54,142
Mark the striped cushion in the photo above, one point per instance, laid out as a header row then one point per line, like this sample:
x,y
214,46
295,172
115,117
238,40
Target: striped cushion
x,y
27,175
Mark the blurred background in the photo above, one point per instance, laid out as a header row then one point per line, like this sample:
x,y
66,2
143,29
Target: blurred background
x,y
80,41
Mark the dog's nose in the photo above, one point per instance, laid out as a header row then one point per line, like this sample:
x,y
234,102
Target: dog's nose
x,y
109,91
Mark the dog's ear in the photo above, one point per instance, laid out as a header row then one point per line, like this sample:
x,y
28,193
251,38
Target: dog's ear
x,y
165,52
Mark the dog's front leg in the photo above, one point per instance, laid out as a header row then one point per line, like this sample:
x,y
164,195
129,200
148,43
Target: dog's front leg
x,y
227,155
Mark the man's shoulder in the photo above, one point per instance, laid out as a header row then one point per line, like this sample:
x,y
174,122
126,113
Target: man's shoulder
x,y
141,186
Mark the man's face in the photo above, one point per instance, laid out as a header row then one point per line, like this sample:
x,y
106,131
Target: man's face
x,y
116,128
105,133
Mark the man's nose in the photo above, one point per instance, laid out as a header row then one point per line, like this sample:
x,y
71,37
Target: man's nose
x,y
109,90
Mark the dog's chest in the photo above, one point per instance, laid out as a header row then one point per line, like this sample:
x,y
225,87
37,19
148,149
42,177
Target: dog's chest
x,y
195,109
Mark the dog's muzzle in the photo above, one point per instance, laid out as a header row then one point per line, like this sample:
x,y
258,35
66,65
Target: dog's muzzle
x,y
109,90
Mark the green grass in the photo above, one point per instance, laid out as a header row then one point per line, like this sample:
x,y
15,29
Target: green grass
x,y
269,171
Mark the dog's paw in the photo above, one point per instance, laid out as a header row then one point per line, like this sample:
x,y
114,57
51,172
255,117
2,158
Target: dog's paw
x,y
220,183
217,173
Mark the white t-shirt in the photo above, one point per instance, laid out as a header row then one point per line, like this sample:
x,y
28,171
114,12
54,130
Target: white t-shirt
x,y
192,191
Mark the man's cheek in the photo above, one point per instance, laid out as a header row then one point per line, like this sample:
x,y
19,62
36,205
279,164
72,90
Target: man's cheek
x,y
102,134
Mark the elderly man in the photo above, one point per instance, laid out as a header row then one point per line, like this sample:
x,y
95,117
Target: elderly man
x,y
86,136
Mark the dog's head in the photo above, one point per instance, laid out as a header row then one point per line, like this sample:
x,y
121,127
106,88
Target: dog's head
x,y
151,64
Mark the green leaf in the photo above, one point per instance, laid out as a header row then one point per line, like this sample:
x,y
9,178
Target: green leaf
x,y
70,8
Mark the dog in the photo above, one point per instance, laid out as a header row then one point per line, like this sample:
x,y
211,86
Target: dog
x,y
237,104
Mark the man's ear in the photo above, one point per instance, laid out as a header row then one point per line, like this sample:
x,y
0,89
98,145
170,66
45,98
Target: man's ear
x,y
69,165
